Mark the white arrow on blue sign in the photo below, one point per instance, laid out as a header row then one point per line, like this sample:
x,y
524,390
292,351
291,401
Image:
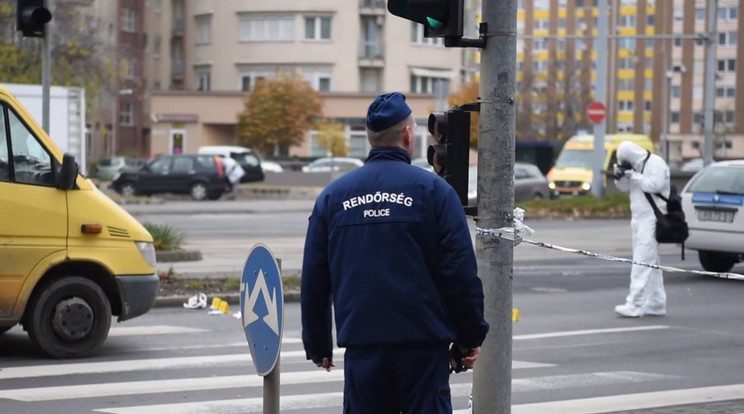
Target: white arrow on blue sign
x,y
262,308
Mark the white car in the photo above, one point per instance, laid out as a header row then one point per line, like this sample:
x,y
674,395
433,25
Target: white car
x,y
713,202
329,164
271,166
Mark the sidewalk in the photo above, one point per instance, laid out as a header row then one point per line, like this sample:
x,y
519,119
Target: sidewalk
x,y
222,207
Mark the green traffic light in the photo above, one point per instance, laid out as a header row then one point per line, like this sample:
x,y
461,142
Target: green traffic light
x,y
433,23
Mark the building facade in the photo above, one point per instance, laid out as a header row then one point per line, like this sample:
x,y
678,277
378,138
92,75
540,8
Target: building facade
x,y
347,50
655,86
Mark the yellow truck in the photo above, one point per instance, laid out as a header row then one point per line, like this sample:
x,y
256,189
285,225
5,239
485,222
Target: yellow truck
x,y
572,172
70,257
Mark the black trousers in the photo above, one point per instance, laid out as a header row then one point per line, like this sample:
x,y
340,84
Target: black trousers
x,y
397,379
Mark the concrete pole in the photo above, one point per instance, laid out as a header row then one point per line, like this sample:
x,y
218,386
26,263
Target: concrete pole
x,y
665,111
46,71
600,91
492,376
710,80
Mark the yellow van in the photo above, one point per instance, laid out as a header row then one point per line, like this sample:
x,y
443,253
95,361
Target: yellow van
x,y
70,257
572,172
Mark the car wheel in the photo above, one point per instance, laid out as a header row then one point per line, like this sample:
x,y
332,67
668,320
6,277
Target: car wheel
x,y
537,196
69,317
127,189
716,262
199,191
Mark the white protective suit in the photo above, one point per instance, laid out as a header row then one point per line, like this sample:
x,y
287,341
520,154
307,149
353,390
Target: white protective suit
x,y
650,174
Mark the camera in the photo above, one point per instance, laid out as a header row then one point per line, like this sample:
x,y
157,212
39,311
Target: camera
x,y
618,170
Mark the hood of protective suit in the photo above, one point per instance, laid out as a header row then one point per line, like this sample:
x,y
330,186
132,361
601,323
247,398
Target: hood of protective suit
x,y
635,155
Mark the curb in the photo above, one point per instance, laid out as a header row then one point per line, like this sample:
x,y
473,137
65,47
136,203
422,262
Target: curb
x,y
231,298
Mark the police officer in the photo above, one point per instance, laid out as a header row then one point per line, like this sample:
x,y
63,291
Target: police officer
x,y
388,245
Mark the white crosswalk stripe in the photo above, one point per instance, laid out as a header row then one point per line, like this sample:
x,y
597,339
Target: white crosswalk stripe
x,y
200,381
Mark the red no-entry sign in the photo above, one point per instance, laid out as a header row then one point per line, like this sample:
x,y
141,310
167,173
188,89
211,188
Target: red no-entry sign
x,y
596,112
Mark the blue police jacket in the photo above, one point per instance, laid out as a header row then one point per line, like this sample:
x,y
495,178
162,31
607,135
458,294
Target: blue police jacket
x,y
389,246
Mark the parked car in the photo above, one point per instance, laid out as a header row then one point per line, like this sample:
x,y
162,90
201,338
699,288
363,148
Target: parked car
x,y
529,183
200,175
247,159
713,202
107,168
695,164
271,166
422,163
328,164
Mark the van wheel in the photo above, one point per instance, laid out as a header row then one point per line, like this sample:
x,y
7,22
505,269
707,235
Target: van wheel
x,y
68,318
127,189
199,191
716,262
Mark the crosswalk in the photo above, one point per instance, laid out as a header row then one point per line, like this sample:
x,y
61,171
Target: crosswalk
x,y
219,378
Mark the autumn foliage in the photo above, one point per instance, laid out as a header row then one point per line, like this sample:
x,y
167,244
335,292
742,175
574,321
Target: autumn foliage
x,y
331,136
278,114
468,94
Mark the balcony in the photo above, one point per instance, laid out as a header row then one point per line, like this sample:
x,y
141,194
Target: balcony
x,y
372,7
371,54
178,26
177,69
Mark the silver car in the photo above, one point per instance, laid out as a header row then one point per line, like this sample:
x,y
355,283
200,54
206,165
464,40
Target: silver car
x,y
713,202
108,168
529,183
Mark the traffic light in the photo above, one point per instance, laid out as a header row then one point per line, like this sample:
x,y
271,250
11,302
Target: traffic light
x,y
441,18
32,17
450,156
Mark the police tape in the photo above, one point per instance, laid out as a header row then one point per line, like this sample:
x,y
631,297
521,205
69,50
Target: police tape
x,y
508,233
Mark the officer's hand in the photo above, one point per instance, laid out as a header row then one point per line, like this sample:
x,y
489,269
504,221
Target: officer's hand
x,y
468,361
326,364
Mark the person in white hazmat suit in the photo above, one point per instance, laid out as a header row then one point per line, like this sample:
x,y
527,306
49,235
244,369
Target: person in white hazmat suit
x,y
649,174
234,172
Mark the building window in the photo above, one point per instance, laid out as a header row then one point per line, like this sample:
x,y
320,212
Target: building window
x,y
676,91
265,29
627,43
130,69
626,63
318,78
203,80
317,28
156,43
677,42
626,84
697,92
650,20
695,144
728,13
126,115
675,117
625,106
424,82
727,65
248,79
539,44
129,20
203,30
727,39
417,36
647,105
541,24
628,20
679,13
700,14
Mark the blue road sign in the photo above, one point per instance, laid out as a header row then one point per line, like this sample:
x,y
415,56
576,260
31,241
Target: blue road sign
x,y
262,308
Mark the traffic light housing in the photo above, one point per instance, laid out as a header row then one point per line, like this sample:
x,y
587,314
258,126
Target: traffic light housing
x,y
450,156
32,17
441,18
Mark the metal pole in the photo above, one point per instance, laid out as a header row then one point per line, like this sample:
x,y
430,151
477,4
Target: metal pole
x,y
600,45
46,71
497,128
271,383
665,111
710,81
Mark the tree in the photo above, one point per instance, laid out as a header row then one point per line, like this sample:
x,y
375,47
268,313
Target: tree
x,y
77,57
331,137
468,94
278,114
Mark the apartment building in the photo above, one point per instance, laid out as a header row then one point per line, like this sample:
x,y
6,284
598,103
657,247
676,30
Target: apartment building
x,y
204,56
556,71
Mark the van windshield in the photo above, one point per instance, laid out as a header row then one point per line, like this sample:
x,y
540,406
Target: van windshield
x,y
574,158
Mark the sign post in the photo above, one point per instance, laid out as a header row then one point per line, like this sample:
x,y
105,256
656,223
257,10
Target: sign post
x,y
262,313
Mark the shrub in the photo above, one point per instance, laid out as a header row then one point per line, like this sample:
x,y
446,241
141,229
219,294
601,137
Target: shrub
x,y
616,204
164,237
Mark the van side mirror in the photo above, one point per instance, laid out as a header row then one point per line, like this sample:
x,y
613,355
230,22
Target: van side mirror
x,y
68,173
